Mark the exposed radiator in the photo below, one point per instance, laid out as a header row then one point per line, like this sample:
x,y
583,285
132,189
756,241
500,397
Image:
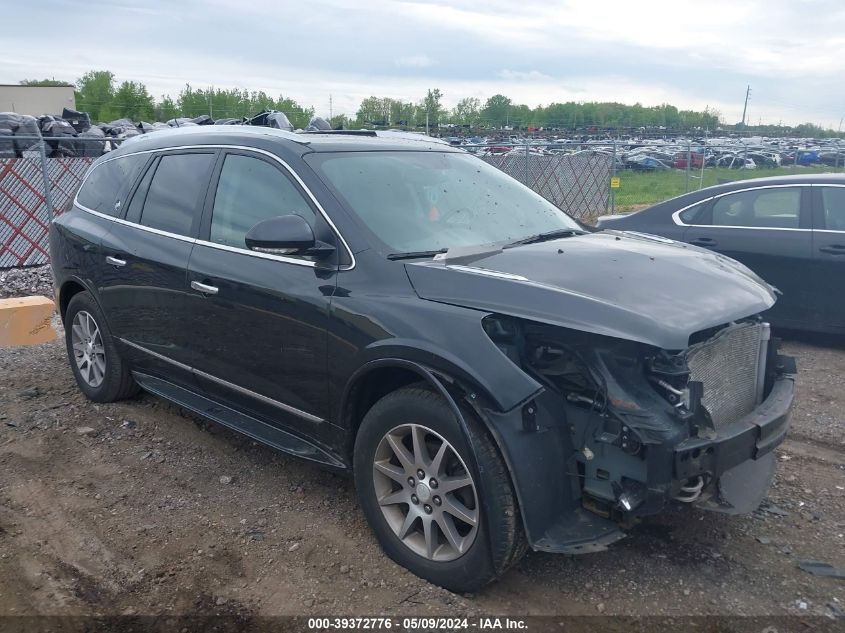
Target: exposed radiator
x,y
732,367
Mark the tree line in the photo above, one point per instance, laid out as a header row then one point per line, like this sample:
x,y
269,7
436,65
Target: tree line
x,y
501,112
99,94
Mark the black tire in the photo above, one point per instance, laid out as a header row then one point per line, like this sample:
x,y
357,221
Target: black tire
x,y
499,541
117,382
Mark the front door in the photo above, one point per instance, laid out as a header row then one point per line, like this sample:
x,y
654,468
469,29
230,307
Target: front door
x,y
258,322
768,230
829,253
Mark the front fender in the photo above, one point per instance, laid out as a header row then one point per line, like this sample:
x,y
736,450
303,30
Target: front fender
x,y
491,375
538,459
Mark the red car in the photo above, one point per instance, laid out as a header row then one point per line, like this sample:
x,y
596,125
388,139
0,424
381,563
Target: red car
x,y
680,160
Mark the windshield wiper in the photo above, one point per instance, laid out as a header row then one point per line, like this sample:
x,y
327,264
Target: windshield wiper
x,y
544,237
416,254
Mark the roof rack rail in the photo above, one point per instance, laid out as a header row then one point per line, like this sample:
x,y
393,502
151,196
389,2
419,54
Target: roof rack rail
x,y
342,132
221,129
408,136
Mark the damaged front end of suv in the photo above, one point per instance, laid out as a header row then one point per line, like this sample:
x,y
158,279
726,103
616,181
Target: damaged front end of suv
x,y
642,400
648,427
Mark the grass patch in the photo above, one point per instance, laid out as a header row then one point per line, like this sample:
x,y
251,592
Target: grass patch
x,y
641,189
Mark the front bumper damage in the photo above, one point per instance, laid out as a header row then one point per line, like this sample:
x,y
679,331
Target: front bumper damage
x,y
635,430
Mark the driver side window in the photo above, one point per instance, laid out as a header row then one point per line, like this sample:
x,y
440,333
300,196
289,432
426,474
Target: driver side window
x,y
249,191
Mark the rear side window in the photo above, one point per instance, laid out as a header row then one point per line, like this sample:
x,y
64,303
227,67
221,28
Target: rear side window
x,y
833,201
250,191
688,216
176,192
108,182
777,208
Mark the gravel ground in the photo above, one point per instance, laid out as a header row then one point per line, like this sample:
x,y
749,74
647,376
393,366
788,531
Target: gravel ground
x,y
34,280
140,508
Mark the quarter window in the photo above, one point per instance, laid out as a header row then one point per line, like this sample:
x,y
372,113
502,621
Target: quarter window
x,y
176,192
688,216
778,207
251,190
833,201
108,182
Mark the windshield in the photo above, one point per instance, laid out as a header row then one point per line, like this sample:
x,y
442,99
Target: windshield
x,y
428,201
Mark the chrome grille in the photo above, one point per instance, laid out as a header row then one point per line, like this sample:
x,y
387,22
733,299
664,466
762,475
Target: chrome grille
x,y
729,365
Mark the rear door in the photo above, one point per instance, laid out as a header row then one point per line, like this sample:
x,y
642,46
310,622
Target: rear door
x,y
829,254
102,197
146,260
769,230
259,321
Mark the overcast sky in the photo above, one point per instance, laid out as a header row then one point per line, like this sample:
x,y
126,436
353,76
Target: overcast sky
x,y
688,53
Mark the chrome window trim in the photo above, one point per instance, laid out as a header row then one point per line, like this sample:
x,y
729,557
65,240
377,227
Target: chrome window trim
x,y
148,229
243,251
676,216
243,390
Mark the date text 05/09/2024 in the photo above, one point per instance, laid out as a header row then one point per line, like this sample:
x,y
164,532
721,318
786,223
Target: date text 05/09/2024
x,y
417,624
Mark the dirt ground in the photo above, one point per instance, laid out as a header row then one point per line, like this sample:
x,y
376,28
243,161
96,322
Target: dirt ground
x,y
140,508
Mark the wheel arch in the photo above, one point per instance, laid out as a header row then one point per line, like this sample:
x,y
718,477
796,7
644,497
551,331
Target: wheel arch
x,y
68,289
462,399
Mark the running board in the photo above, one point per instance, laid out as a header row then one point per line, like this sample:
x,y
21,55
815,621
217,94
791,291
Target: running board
x,y
240,422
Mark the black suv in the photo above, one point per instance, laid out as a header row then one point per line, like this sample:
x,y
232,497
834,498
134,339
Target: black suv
x,y
494,375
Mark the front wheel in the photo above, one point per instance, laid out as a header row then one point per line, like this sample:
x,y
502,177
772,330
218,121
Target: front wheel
x,y
415,478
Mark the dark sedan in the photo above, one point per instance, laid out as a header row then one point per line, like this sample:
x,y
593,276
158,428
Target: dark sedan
x,y
789,230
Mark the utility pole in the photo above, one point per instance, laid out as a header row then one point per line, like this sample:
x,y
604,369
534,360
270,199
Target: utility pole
x,y
745,107
426,124
330,109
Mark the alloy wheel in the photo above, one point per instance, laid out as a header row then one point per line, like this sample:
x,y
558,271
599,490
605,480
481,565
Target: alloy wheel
x,y
426,493
88,350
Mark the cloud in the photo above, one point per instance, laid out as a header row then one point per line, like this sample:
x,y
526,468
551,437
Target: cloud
x,y
676,51
518,75
414,61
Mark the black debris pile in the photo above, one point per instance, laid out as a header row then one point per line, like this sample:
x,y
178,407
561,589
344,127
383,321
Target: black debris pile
x,y
59,134
73,134
18,134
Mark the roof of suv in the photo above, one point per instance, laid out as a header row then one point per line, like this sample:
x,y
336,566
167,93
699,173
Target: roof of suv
x,y
346,140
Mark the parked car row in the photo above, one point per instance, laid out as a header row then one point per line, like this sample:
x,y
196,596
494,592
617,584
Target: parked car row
x,y
661,155
493,375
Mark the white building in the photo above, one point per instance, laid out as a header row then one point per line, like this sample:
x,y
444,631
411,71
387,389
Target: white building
x,y
36,100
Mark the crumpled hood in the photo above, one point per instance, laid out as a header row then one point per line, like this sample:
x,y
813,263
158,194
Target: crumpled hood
x,y
615,283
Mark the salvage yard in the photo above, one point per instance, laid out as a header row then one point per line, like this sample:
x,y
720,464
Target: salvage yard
x,y
139,507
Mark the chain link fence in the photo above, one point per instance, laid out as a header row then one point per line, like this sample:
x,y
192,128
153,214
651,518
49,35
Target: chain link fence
x,y
577,182
39,177
38,180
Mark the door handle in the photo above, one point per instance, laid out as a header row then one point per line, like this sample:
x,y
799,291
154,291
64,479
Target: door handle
x,y
114,261
204,288
703,241
834,249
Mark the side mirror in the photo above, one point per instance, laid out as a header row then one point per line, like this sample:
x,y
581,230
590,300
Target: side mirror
x,y
285,235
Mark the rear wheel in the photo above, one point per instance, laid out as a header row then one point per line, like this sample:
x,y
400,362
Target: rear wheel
x,y
100,372
415,478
